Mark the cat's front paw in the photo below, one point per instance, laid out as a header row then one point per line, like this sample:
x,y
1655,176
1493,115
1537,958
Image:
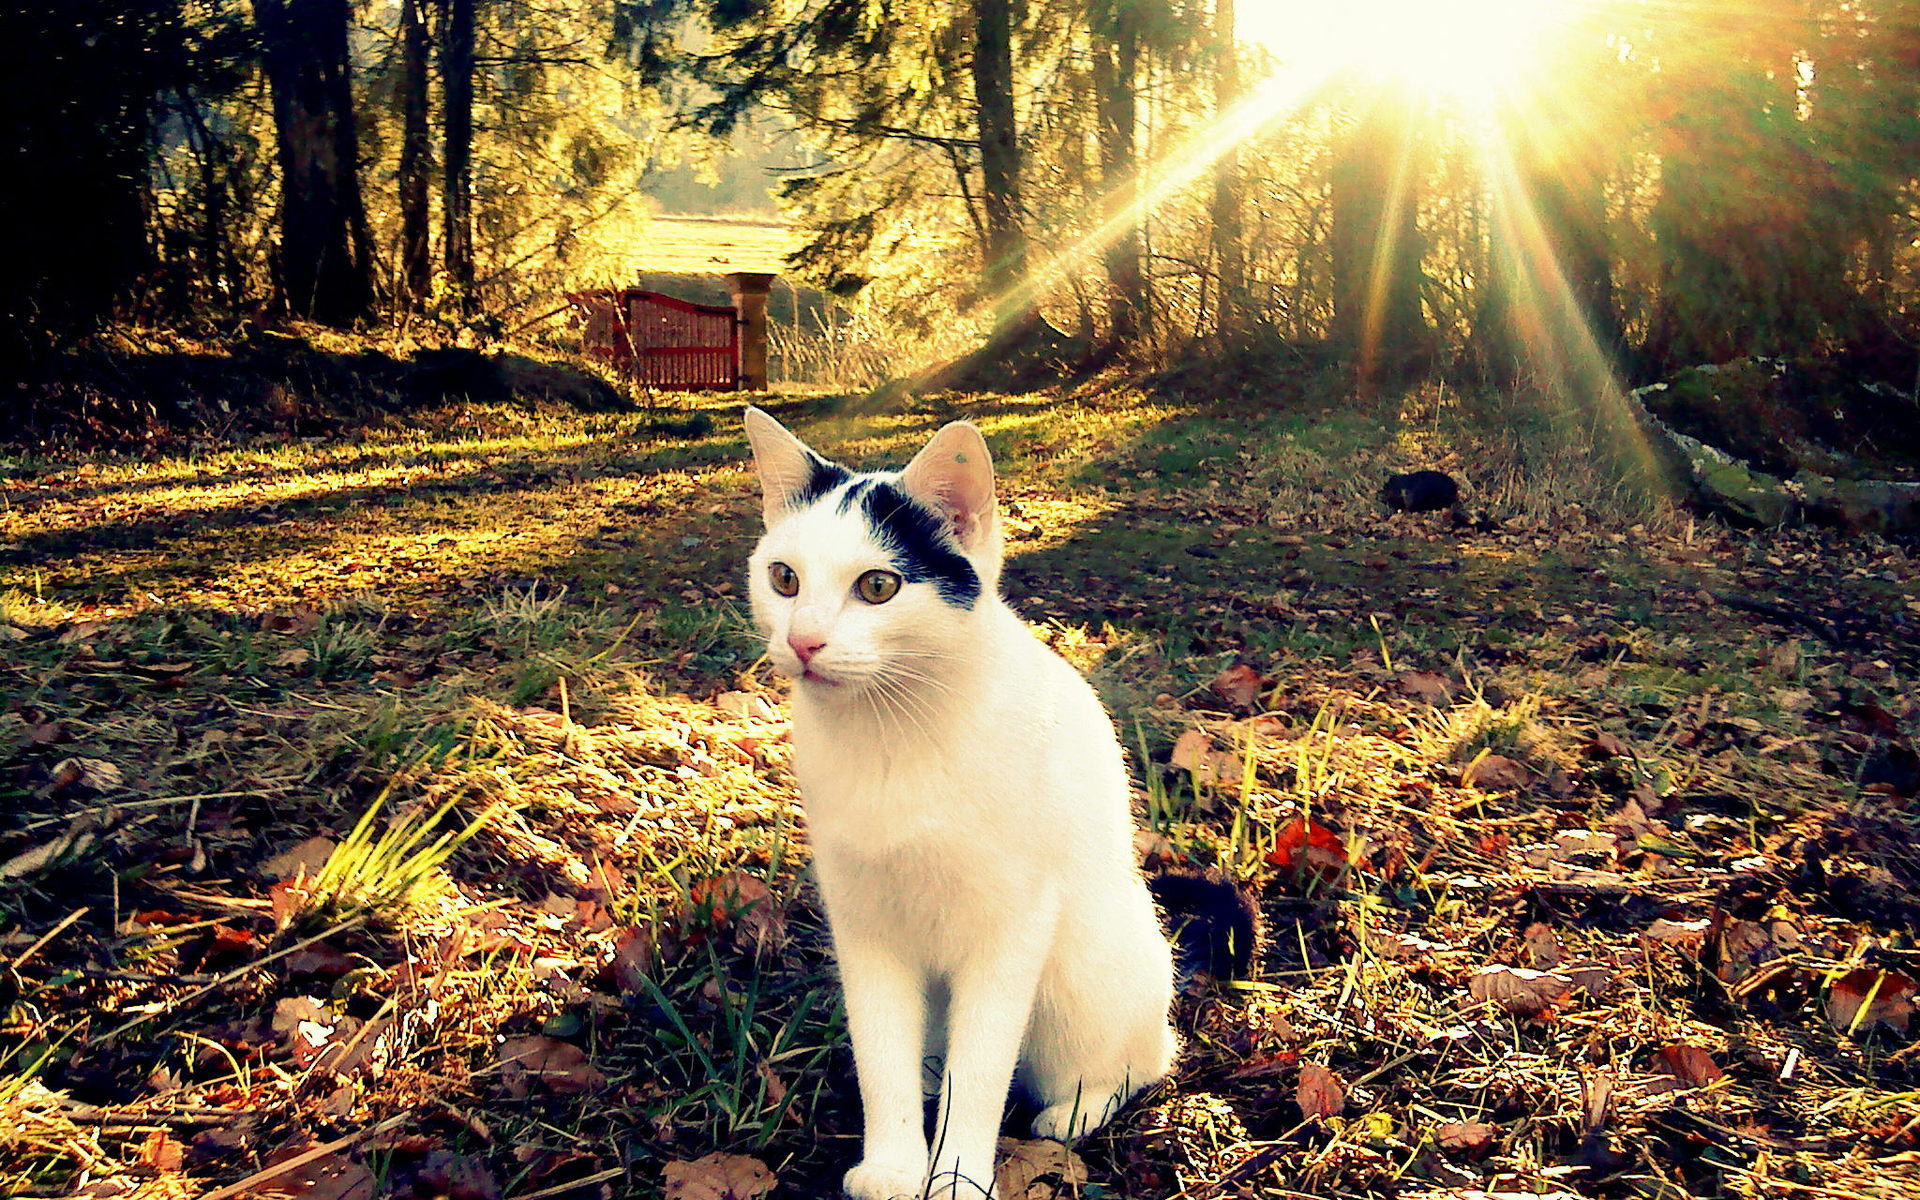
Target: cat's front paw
x,y
884,1181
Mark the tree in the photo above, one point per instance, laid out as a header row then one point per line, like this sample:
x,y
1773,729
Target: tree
x,y
325,263
1229,252
456,73
1377,318
1116,69
416,154
1005,252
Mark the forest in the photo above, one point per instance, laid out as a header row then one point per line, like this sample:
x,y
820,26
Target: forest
x,y
1471,449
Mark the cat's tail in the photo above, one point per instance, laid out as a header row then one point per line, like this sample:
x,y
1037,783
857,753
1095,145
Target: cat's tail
x,y
1214,923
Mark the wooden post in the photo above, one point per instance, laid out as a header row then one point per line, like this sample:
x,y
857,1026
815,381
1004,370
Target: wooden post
x,y
750,306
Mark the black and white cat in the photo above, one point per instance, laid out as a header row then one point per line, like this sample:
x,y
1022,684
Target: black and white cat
x,y
967,804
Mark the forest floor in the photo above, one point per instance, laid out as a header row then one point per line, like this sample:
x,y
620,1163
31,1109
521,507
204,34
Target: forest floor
x,y
409,814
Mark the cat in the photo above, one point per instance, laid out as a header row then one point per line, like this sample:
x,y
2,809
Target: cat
x,y
968,808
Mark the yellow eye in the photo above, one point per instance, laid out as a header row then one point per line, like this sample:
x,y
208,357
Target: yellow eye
x,y
783,578
877,587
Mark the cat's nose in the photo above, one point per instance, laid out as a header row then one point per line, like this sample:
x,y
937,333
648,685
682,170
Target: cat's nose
x,y
805,647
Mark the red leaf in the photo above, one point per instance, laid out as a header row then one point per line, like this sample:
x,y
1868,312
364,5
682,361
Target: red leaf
x,y
1238,685
1689,1064
1294,838
1321,1094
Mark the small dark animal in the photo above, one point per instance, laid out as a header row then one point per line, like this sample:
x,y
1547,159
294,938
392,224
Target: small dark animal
x,y
1420,491
1214,923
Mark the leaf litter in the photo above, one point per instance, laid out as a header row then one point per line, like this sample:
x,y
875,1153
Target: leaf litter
x,y
1689,856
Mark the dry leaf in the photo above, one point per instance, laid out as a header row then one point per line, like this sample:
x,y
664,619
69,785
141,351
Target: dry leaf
x,y
1309,848
1497,773
1238,685
1472,1138
1689,936
718,1177
306,858
1431,686
1543,948
1020,1164
632,958
1864,997
1594,978
1744,947
561,1067
290,1013
298,656
94,774
458,1177
1194,752
75,841
1153,849
161,1152
1518,990
1689,1064
738,899
1608,745
1785,659
1320,1094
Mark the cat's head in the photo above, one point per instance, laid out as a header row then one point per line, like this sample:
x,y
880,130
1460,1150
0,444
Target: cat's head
x,y
872,580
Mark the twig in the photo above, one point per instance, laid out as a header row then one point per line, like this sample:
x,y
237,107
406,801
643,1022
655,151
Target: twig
x,y
301,1160
48,936
556,1189
1820,628
229,977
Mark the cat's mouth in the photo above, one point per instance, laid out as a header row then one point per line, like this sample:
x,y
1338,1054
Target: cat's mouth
x,y
809,675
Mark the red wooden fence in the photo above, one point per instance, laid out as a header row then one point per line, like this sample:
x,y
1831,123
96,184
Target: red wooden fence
x,y
661,341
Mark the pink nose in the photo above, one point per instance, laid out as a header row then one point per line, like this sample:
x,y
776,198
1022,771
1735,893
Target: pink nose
x,y
805,647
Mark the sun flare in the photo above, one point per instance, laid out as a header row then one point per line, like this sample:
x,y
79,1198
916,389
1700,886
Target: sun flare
x,y
1471,50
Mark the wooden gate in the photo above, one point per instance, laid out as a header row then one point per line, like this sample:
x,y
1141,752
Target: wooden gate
x,y
662,341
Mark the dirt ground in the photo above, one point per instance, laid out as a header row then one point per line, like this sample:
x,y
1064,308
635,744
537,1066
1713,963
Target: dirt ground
x,y
407,813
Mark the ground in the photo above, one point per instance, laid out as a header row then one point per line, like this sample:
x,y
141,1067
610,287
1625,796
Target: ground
x,y
408,813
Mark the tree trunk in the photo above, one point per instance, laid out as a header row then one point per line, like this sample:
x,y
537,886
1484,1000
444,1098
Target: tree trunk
x,y
1116,64
416,154
1004,273
324,266
456,69
1229,247
1377,319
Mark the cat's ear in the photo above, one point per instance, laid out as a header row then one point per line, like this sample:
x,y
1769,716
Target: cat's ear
x,y
954,474
788,469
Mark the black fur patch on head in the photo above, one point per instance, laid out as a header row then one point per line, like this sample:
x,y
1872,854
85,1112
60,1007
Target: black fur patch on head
x,y
922,550
1215,924
826,476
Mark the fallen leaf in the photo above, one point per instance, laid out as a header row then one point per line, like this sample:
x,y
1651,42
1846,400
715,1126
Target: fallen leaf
x,y
1864,997
1306,846
290,1013
78,837
1689,1064
561,1067
1497,773
298,656
1688,936
1785,659
1152,848
1020,1165
1194,752
632,958
161,1152
94,774
1543,948
1594,978
718,1177
1431,686
1518,990
1608,745
458,1177
1472,1138
1745,946
306,858
1320,1094
1238,685
738,899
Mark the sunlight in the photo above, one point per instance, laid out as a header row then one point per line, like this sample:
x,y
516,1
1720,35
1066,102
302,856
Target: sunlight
x,y
1471,50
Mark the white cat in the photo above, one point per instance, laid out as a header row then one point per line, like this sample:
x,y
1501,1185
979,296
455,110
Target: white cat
x,y
968,809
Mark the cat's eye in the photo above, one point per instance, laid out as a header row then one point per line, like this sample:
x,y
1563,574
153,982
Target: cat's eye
x,y
877,587
783,578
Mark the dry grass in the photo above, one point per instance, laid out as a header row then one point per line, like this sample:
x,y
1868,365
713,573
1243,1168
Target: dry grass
x,y
215,658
